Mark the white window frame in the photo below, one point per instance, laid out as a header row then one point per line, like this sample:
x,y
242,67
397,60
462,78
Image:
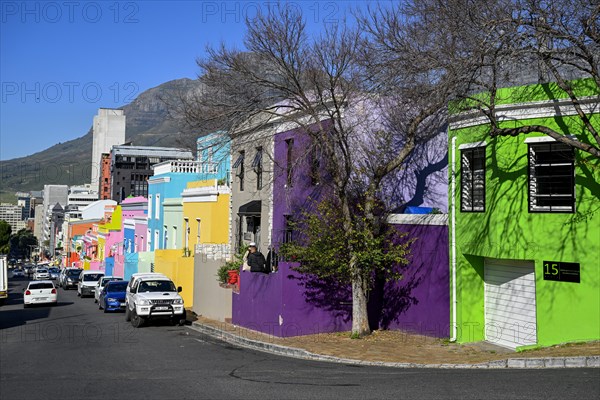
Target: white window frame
x,y
532,181
157,210
468,178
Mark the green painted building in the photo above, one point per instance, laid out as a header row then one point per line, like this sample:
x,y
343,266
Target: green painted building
x,y
524,216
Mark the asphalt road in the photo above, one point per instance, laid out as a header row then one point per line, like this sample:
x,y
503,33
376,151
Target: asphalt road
x,y
74,351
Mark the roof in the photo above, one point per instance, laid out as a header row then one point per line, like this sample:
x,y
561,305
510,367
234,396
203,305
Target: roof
x,y
252,207
151,151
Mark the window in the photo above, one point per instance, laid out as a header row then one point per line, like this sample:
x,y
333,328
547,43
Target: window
x,y
165,238
289,170
288,231
551,178
156,244
157,207
239,164
472,196
149,240
198,221
150,206
257,165
315,166
187,234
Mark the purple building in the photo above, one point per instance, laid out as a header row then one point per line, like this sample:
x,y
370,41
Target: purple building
x,y
287,304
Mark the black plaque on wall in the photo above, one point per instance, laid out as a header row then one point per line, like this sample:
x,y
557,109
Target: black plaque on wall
x,y
561,271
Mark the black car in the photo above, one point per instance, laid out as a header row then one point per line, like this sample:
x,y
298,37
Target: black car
x,y
71,278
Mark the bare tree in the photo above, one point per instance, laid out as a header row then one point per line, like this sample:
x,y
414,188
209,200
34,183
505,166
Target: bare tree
x,y
337,89
504,43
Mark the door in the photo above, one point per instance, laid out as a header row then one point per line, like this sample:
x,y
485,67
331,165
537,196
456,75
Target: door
x,y
510,306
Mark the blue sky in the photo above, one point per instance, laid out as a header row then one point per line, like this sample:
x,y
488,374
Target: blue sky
x,y
61,61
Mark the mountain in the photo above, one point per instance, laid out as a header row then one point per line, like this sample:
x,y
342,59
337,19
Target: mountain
x,y
148,124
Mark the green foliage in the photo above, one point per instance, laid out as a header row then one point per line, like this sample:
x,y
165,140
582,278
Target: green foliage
x,y
355,335
21,241
325,249
234,265
5,231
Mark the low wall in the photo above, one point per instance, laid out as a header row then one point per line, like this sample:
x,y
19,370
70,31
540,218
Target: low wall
x,y
210,300
276,304
286,304
145,262
180,269
420,302
131,265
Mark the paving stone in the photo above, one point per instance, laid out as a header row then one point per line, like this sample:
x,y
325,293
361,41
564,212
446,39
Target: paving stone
x,y
534,363
593,361
516,363
554,362
574,362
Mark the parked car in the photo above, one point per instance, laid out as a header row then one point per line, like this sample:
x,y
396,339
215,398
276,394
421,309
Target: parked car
x,y
18,273
112,296
100,285
28,270
54,273
41,274
150,296
39,292
70,278
87,282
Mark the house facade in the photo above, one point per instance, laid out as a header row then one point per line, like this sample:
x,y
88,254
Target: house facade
x,y
286,303
524,224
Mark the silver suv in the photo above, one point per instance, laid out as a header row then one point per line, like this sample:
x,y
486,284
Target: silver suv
x,y
153,296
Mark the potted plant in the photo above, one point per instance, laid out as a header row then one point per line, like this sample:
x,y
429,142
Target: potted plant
x,y
229,273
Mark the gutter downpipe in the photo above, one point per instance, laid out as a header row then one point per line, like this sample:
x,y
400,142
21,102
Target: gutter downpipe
x,y
453,243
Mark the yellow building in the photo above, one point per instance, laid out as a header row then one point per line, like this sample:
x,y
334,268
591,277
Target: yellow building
x,y
205,221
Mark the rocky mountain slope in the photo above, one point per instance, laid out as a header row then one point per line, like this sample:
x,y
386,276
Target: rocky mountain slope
x,y
149,123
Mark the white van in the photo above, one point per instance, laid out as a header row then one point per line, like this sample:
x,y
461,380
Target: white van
x,y
87,282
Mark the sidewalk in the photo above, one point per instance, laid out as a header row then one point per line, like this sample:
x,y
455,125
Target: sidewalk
x,y
401,349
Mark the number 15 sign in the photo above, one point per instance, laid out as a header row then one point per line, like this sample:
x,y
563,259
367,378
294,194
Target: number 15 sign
x,y
561,271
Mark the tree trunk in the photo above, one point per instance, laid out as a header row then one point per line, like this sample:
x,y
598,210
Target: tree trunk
x,y
360,316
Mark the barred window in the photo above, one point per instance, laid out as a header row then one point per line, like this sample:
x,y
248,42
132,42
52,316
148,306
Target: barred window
x,y
289,166
551,178
288,232
257,165
472,198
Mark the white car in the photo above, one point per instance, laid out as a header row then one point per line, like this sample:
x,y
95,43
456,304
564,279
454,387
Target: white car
x,y
100,285
87,282
41,274
18,273
150,296
39,292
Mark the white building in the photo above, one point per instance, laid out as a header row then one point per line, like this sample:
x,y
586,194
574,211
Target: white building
x,y
79,197
53,195
38,226
109,130
96,209
12,214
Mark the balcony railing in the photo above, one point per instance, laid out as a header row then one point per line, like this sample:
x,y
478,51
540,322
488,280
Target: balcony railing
x,y
186,167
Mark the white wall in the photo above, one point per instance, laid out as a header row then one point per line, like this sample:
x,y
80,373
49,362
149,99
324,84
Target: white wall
x,y
109,130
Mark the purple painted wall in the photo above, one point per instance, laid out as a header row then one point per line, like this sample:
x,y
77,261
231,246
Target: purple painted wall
x,y
420,302
281,304
286,304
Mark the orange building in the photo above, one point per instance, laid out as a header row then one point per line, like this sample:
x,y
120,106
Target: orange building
x,y
77,229
104,188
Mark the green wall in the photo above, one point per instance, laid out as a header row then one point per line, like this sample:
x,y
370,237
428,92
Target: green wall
x,y
565,311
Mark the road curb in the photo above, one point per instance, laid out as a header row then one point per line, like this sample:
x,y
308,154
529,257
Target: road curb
x,y
512,363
